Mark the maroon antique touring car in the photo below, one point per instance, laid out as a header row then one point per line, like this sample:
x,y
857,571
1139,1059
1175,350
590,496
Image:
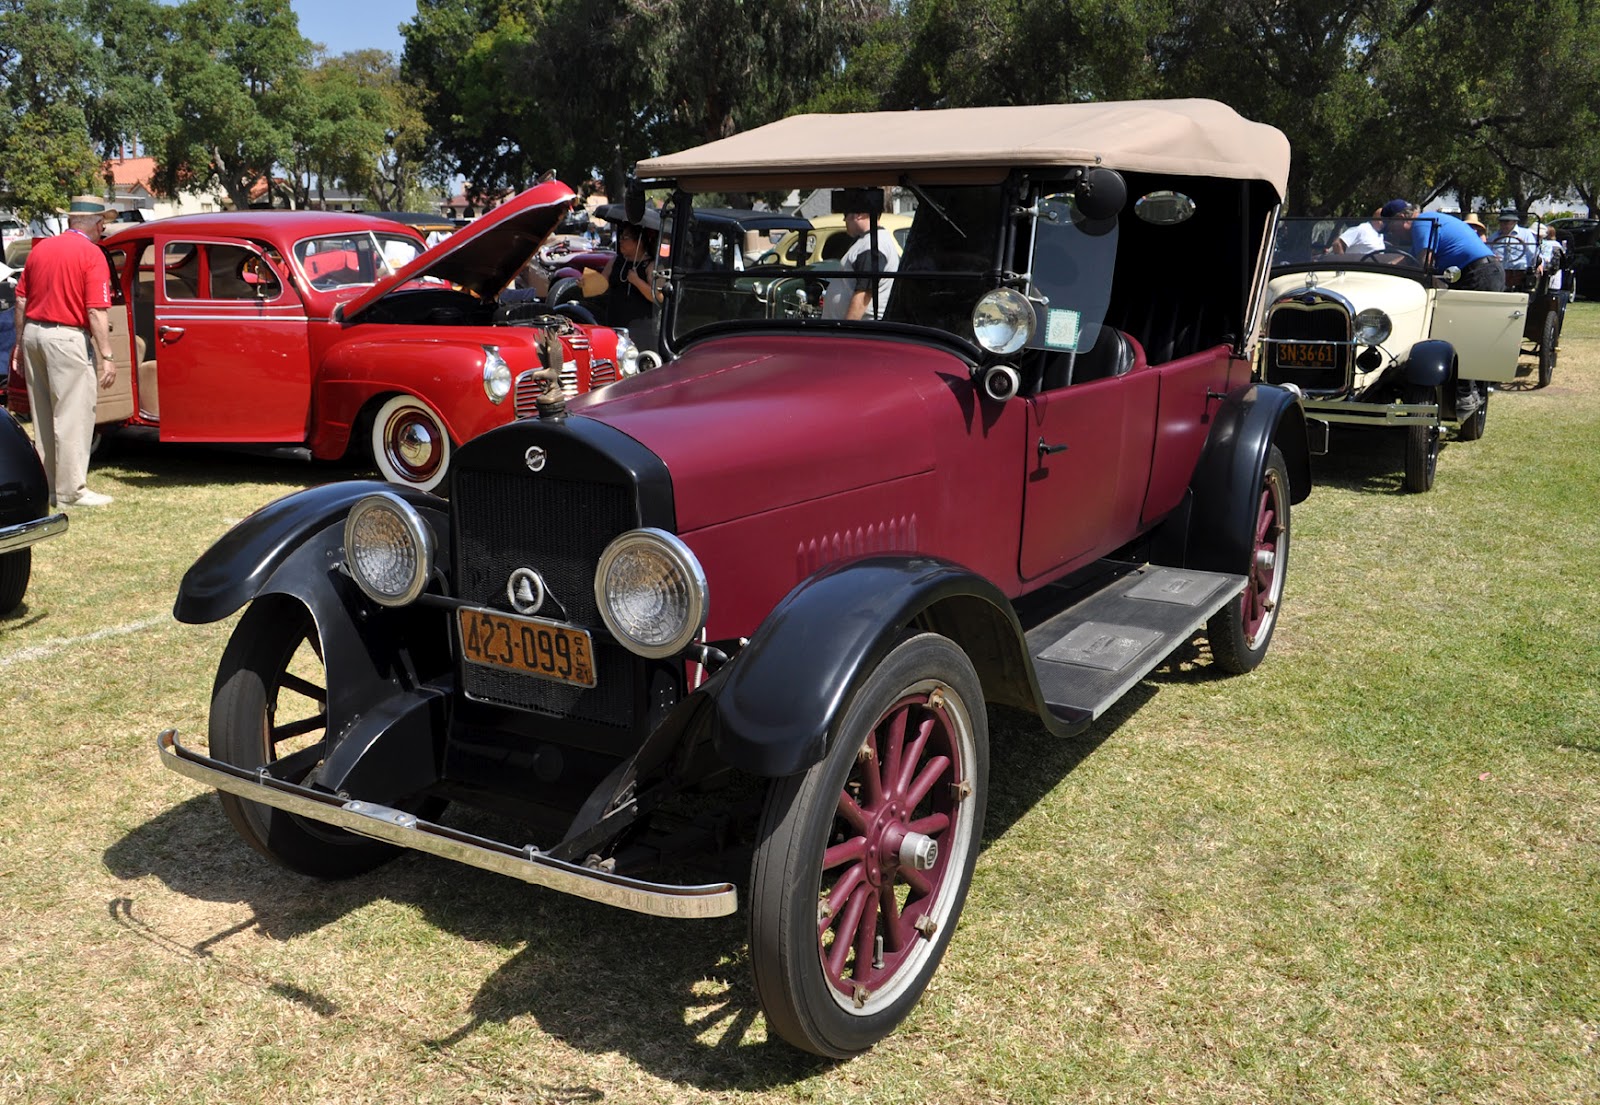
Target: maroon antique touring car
x,y
804,554
320,328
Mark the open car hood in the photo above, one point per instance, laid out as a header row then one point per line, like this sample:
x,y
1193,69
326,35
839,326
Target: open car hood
x,y
482,258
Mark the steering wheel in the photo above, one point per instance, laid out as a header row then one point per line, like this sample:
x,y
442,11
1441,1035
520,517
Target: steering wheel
x,y
577,312
1389,257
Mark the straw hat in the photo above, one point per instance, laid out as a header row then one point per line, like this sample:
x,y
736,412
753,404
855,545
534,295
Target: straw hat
x,y
1473,220
91,205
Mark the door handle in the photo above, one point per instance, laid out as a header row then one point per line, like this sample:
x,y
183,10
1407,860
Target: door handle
x,y
169,334
1046,450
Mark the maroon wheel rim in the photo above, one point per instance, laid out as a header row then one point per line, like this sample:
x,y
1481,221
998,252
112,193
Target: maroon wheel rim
x,y
1264,584
897,850
414,443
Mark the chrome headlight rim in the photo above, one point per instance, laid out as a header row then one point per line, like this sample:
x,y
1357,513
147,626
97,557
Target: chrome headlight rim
x,y
418,532
681,560
627,355
1371,326
1003,320
497,379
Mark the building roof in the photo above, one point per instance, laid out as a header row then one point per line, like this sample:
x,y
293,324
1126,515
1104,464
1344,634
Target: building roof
x,y
1181,137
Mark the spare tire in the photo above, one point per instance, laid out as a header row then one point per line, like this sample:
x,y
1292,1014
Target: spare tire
x,y
569,289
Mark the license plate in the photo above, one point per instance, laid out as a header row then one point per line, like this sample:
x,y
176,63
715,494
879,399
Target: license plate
x,y
532,646
1294,354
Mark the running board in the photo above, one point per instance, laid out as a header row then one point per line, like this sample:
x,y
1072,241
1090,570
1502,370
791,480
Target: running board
x,y
397,827
1091,654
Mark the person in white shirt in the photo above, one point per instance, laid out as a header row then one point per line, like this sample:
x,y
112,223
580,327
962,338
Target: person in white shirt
x,y
1362,238
851,297
1517,247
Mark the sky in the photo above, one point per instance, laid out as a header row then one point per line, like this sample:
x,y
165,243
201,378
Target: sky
x,y
345,25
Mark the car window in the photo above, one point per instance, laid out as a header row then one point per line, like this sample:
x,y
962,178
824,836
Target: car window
x,y
180,263
361,257
835,246
215,270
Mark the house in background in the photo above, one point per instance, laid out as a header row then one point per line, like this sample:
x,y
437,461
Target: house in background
x,y
131,176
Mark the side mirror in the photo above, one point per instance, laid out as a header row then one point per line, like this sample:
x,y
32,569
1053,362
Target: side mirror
x,y
1101,193
633,202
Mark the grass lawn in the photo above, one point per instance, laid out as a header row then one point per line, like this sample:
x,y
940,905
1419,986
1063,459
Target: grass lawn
x,y
1369,872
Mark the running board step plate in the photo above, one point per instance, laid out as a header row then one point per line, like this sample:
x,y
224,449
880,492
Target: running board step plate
x,y
1089,655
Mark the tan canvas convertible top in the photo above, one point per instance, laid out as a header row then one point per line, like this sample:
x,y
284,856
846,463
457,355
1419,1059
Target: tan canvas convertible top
x,y
1183,137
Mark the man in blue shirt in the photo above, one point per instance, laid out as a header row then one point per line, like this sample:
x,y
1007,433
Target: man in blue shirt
x,y
1443,241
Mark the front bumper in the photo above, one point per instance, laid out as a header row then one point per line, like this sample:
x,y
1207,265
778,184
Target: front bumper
x,y
1351,413
15,538
385,823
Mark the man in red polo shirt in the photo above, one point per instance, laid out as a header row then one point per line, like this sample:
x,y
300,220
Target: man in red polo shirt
x,y
65,343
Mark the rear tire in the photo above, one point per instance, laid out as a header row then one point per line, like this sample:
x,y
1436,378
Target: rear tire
x,y
1241,631
1549,339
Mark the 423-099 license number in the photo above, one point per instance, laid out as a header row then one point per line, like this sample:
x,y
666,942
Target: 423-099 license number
x,y
529,645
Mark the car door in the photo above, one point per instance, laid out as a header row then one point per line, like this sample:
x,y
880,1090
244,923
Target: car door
x,y
231,344
1485,328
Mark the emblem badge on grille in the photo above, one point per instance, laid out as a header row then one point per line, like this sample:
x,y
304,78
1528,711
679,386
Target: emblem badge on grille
x,y
525,590
535,458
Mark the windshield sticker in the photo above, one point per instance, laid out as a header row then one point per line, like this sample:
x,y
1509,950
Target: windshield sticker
x,y
1062,328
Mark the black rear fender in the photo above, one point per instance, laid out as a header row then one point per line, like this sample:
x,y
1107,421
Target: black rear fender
x,y
775,704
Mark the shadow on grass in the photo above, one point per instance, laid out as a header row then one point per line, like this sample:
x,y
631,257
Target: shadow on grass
x,y
676,997
137,458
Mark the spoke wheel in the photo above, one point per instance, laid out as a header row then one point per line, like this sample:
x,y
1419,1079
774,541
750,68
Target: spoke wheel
x,y
1422,447
270,710
1549,338
409,443
863,861
1241,631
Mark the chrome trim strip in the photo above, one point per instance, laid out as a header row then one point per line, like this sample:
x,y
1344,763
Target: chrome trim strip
x,y
14,538
1370,414
398,827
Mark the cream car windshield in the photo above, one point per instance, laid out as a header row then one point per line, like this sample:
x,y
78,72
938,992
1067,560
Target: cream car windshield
x,y
1329,242
354,259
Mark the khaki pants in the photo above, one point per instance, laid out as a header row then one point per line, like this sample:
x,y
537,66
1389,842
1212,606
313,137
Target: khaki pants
x,y
61,390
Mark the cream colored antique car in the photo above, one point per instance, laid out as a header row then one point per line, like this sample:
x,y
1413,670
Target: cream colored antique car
x,y
1377,338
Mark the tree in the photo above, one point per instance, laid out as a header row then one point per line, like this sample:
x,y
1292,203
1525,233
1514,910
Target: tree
x,y
235,74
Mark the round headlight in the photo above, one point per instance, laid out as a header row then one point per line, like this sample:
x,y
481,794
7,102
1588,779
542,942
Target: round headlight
x,y
388,549
627,355
1003,320
496,375
651,592
1372,326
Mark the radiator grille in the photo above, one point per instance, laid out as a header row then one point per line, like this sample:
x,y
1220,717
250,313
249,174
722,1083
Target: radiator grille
x,y
1325,326
505,521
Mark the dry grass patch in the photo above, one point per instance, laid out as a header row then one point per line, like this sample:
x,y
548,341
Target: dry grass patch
x,y
1365,873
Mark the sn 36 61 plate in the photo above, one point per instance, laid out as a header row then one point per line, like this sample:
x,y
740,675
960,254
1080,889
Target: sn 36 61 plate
x,y
529,645
1307,355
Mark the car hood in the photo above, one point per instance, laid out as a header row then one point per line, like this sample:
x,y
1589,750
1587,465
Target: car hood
x,y
1363,287
757,424
483,257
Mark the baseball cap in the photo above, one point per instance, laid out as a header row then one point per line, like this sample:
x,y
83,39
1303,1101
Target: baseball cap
x,y
1396,207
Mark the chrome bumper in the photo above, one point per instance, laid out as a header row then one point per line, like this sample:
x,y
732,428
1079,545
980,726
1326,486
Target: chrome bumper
x,y
21,536
1372,414
398,827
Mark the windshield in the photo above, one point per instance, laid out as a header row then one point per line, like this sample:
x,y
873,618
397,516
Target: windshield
x,y
354,259
1353,241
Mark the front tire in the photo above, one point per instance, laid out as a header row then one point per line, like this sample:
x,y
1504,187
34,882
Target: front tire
x,y
270,710
15,569
409,443
1422,446
863,862
1241,631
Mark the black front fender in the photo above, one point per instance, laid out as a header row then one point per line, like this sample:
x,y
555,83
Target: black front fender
x,y
1429,364
775,704
1227,481
240,565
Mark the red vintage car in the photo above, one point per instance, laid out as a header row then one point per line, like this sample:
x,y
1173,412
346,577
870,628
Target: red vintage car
x,y
760,598
334,330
